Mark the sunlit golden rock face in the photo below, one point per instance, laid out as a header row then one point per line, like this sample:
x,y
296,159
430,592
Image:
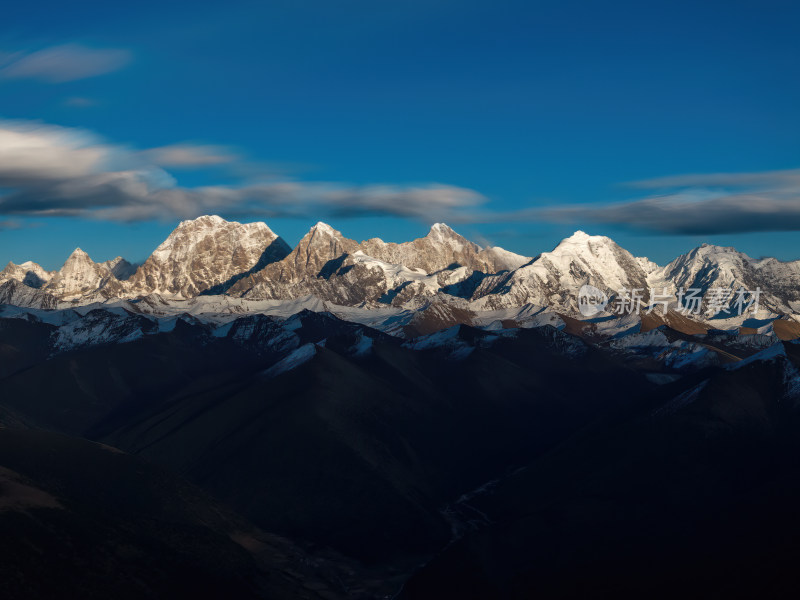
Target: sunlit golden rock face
x,y
203,253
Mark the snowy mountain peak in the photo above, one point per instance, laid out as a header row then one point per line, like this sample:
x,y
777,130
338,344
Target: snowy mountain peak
x,y
597,254
205,253
210,255
443,249
554,278
711,249
325,229
318,251
582,238
442,232
29,273
193,233
120,267
707,256
81,276
441,228
216,222
322,241
78,256
205,220
504,260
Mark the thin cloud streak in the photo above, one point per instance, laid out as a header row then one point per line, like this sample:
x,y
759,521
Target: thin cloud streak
x,y
189,155
60,64
698,204
769,179
48,171
52,171
682,215
8,224
80,102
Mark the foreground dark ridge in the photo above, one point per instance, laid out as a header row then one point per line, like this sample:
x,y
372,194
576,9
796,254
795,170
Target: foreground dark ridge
x,y
371,455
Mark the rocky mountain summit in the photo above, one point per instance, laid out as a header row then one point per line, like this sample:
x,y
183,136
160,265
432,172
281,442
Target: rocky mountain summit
x,y
554,278
210,256
120,268
29,273
336,269
708,266
81,276
440,250
205,253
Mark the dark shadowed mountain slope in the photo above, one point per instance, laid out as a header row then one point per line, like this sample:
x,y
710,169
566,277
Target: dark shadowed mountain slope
x,y
346,438
695,498
17,293
82,520
23,344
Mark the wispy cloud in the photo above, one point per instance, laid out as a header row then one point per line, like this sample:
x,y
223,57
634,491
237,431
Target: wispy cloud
x,y
702,204
6,224
190,155
55,171
766,179
59,64
80,102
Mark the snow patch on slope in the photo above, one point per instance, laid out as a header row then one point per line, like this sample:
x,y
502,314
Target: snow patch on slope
x,y
299,357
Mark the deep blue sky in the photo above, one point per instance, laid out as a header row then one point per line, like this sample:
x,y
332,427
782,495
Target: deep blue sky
x,y
531,104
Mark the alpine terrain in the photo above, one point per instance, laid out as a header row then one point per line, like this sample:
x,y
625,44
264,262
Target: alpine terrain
x,y
426,419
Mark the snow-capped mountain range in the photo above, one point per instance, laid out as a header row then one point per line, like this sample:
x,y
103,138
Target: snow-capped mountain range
x,y
243,266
